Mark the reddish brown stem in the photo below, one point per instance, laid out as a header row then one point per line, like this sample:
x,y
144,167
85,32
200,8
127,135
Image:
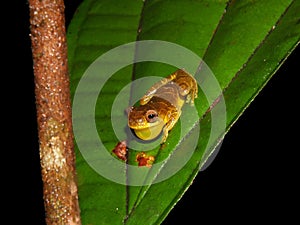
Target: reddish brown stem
x,y
49,50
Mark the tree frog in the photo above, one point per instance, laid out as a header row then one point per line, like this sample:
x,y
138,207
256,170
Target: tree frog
x,y
160,107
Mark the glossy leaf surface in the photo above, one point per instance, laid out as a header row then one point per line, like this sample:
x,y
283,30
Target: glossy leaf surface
x,y
242,42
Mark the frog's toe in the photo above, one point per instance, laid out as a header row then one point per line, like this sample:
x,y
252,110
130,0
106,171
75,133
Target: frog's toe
x,y
188,99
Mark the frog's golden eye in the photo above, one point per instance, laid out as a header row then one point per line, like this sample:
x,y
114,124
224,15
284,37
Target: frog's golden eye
x,y
151,116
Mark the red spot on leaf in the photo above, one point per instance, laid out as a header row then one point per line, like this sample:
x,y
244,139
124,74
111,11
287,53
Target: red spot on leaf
x,y
144,160
120,150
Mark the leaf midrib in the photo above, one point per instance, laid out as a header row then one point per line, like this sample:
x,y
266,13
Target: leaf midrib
x,y
130,211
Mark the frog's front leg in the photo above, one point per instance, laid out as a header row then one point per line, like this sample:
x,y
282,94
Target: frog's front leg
x,y
169,125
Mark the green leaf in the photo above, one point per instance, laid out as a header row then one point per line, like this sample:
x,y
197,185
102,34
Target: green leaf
x,y
243,43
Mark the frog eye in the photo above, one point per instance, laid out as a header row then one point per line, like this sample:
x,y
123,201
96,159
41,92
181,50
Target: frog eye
x,y
151,116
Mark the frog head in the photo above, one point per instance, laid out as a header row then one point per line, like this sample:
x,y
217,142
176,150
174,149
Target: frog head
x,y
145,122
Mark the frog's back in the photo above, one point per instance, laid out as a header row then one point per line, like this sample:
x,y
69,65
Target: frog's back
x,y
169,96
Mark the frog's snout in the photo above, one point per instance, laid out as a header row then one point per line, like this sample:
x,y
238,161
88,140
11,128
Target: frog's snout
x,y
136,123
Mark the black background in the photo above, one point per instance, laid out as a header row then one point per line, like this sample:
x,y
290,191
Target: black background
x,y
252,179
